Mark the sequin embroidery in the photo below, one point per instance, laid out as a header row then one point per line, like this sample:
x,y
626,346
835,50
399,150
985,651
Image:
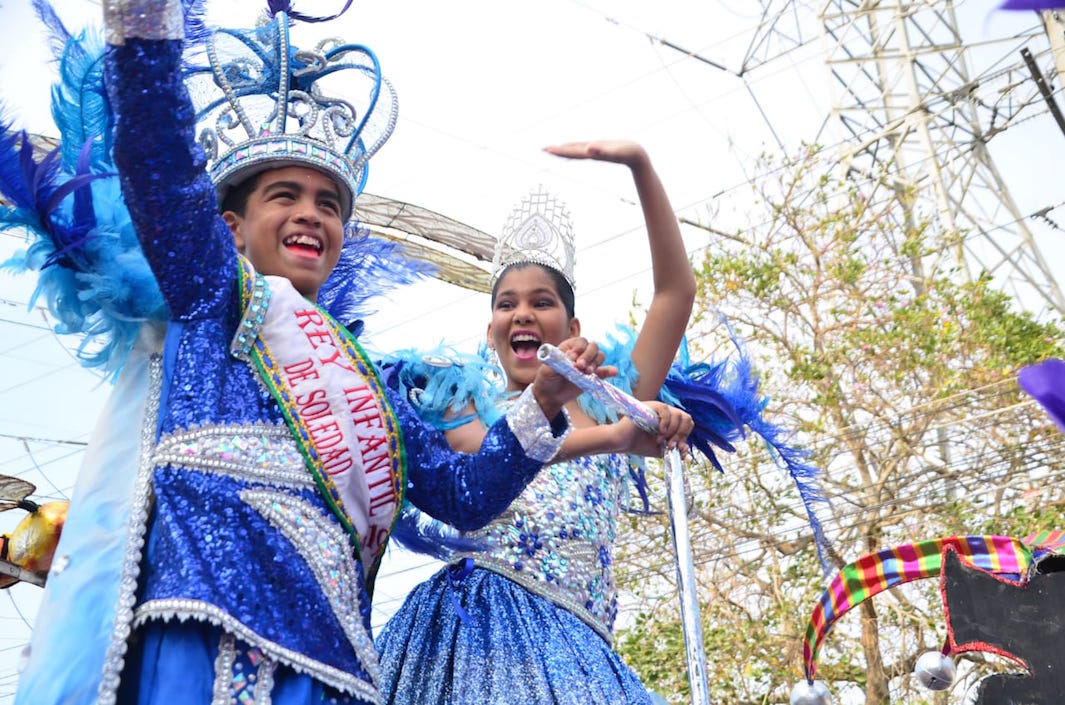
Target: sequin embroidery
x,y
262,453
326,549
556,539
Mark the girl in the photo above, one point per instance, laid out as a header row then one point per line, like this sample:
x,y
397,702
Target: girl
x,y
528,616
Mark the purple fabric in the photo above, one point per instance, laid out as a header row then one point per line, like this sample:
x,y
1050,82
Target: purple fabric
x,y
1045,382
1032,5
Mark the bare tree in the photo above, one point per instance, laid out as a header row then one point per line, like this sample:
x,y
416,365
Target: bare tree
x,y
899,377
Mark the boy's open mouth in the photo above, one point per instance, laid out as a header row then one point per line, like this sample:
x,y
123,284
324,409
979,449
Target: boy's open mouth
x,y
303,244
524,345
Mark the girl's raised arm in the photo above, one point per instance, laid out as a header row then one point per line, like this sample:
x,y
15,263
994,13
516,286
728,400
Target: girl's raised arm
x,y
674,282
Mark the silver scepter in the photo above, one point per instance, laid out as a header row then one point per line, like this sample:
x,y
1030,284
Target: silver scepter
x,y
627,405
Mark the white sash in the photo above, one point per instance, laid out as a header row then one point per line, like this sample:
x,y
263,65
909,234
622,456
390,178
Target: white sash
x,y
332,398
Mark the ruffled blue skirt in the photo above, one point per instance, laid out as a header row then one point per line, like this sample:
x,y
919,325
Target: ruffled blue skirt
x,y
511,646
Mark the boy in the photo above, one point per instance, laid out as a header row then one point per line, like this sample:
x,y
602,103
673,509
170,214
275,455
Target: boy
x,y
226,530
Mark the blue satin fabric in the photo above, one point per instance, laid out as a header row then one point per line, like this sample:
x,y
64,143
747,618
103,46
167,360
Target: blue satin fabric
x,y
180,659
513,647
77,614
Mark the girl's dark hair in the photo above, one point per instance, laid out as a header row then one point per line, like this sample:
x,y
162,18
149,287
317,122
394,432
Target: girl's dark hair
x,y
562,287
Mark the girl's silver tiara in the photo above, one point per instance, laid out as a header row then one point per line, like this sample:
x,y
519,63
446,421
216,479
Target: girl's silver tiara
x,y
538,231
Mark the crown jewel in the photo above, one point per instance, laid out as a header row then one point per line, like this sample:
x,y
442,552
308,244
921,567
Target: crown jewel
x,y
538,231
260,102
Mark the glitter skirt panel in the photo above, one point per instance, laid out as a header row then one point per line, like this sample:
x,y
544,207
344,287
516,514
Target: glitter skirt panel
x,y
513,647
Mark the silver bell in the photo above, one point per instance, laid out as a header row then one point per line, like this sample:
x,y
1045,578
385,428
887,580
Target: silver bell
x,y
935,670
807,693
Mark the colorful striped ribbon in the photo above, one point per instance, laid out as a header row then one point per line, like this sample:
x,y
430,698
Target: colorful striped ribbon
x,y
1044,541
876,572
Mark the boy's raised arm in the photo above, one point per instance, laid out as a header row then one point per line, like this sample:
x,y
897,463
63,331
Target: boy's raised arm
x,y
170,197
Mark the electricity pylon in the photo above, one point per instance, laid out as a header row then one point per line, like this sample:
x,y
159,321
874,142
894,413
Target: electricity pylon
x,y
917,107
918,119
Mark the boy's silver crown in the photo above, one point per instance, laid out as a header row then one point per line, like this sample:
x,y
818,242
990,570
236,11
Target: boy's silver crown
x,y
537,231
261,102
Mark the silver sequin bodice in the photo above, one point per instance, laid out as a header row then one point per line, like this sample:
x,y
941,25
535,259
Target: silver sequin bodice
x,y
557,538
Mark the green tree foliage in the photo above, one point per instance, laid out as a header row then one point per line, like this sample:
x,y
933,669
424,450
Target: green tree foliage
x,y
899,375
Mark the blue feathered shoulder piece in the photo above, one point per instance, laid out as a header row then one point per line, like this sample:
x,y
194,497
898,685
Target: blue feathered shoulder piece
x,y
724,400
92,274
448,388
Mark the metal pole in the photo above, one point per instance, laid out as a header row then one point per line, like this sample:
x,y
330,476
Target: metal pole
x,y
627,405
689,603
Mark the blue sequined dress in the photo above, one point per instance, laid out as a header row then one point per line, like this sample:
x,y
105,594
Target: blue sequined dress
x,y
532,622
203,560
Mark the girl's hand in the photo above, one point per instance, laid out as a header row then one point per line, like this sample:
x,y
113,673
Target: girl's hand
x,y
552,390
674,426
619,151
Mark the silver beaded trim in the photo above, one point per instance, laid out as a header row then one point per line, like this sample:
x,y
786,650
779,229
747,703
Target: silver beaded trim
x,y
251,322
265,685
532,429
538,587
183,609
143,19
278,150
138,524
223,670
225,676
327,550
262,453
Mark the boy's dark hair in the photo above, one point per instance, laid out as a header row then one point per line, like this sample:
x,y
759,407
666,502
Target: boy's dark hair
x,y
562,287
236,198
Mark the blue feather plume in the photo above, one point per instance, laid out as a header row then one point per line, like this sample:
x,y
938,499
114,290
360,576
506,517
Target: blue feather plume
x,y
368,267
617,351
196,29
79,103
13,184
724,399
57,33
92,273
